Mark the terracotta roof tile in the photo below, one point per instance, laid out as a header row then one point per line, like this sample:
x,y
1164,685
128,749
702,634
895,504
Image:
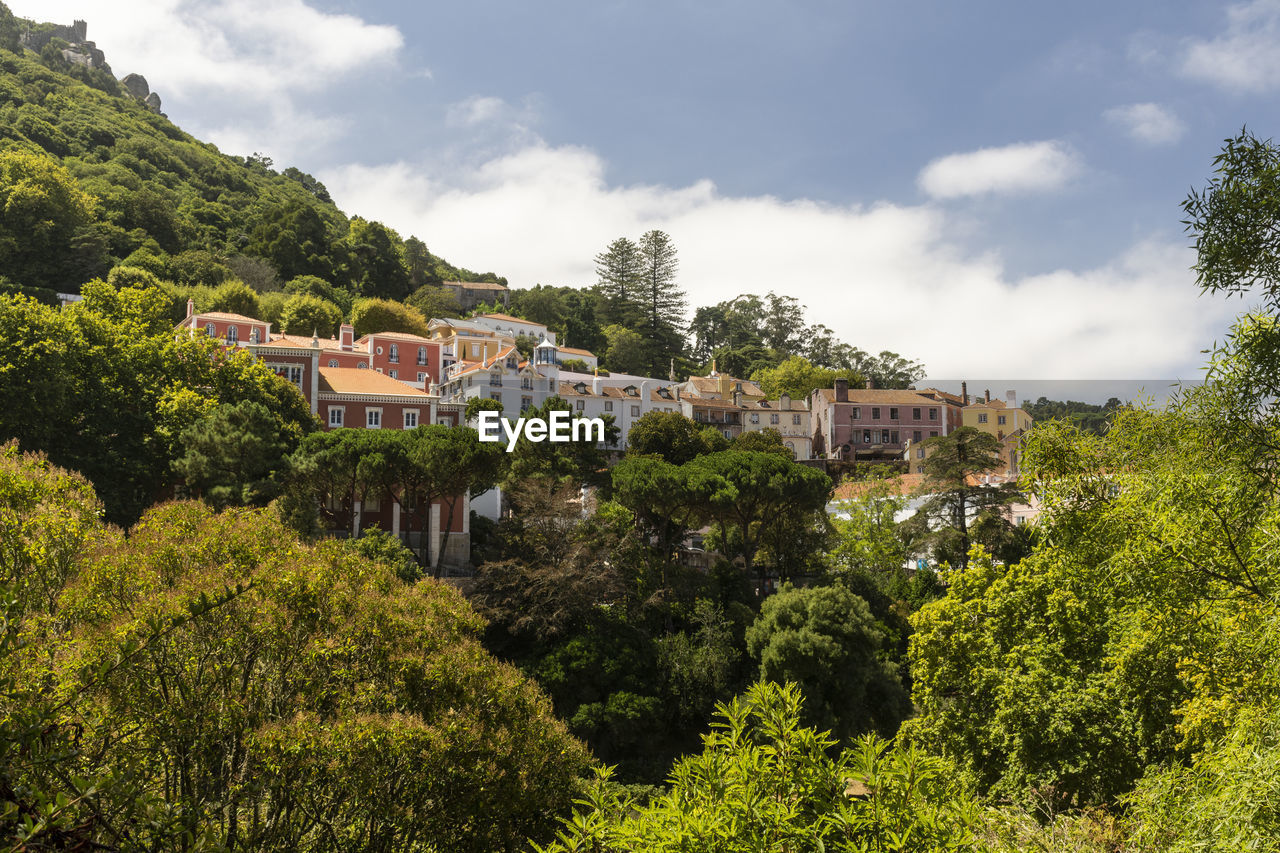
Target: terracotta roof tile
x,y
352,380
476,285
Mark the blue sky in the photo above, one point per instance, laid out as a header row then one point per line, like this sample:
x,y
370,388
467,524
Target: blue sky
x,y
991,188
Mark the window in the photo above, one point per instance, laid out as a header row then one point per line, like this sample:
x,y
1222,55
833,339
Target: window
x,y
933,414
210,330
233,334
915,414
773,419
394,374
915,436
362,365
875,413
755,418
410,418
475,350
526,383
608,405
920,453
857,412
919,469
495,380
982,417
893,437
526,403
933,433
379,350
795,420
1000,419
635,411
866,436
333,362
580,405
422,355
336,414
393,355
893,414
253,335
497,397
512,363
373,418
884,436
422,377
378,369
727,434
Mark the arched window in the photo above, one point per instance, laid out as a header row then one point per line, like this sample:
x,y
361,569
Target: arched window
x,y
210,330
333,362
362,366
233,334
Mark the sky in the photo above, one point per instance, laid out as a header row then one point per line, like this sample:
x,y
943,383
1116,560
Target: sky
x,y
992,189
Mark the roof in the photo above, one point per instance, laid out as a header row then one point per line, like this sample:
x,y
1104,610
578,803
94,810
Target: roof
x,y
880,396
987,404
475,285
326,344
708,402
353,380
399,336
222,315
507,318
955,399
576,351
776,405
712,383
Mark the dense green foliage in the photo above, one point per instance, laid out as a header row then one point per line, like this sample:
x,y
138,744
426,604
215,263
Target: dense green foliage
x,y
208,683
1086,416
763,781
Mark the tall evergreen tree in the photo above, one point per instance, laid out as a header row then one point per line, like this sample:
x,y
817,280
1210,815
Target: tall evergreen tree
x,y
620,272
663,300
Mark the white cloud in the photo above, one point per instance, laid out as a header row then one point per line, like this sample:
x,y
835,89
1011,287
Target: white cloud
x,y
883,276
1150,124
243,47
1020,168
476,110
1245,57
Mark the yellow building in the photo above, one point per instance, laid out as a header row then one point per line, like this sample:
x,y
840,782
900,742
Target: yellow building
x,y
465,341
1004,420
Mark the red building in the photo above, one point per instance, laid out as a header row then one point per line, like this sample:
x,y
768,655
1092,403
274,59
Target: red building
x,y
359,385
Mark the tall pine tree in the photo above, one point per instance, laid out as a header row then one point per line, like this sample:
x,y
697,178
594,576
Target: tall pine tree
x,y
620,271
662,300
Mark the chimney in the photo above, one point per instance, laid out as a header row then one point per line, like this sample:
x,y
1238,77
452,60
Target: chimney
x,y
842,390
964,393
191,308
595,385
869,385
786,402
1011,399
737,397
987,395
347,337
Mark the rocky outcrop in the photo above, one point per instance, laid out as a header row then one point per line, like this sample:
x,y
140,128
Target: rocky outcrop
x,y
153,102
137,86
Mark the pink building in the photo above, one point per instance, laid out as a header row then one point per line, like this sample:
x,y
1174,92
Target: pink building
x,y
877,424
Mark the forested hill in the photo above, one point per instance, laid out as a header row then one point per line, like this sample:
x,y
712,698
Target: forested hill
x,y
84,162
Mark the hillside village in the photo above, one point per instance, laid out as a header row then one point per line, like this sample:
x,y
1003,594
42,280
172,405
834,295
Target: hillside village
x,y
394,380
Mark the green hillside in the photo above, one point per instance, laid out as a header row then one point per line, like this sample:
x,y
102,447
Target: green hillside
x,y
113,181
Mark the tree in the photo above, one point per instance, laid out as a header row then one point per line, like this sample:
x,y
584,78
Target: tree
x,y
318,287
375,266
662,300
953,462
42,211
232,455
380,315
667,434
619,271
252,692
761,499
797,377
826,641
435,302
304,314
626,351
235,297
764,781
